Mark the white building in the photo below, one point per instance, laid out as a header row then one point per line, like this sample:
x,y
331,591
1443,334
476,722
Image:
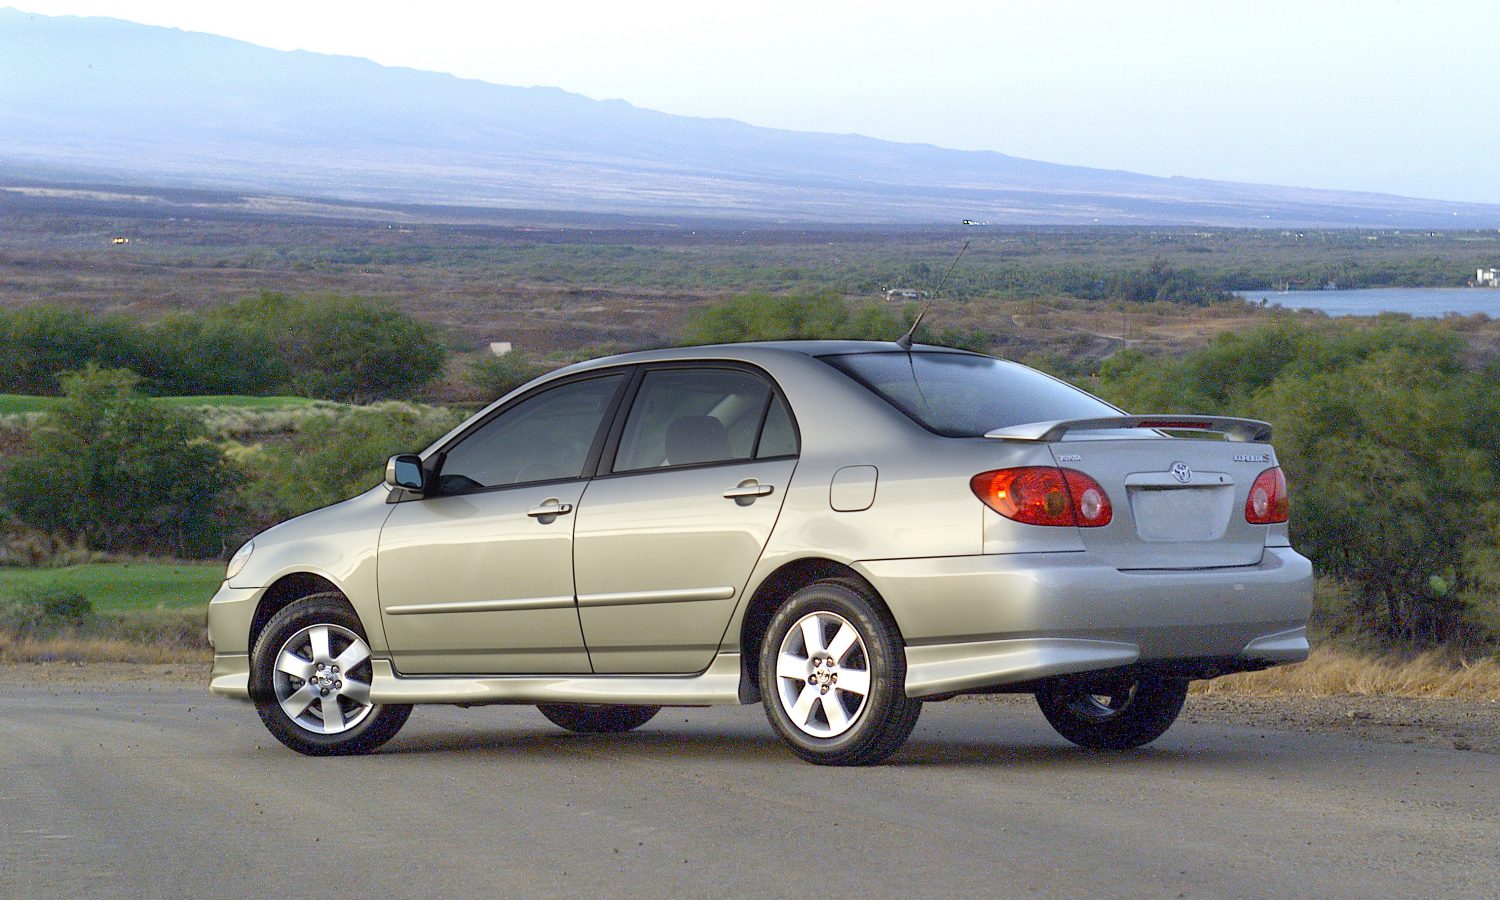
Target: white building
x,y
1487,277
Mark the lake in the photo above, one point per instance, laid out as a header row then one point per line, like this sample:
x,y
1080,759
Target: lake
x,y
1429,303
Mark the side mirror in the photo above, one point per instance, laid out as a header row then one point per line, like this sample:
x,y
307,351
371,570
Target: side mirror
x,y
404,471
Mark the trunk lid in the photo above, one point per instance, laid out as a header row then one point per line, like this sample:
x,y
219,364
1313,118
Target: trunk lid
x,y
1179,503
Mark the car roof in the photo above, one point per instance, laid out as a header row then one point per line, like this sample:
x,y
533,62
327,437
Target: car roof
x,y
754,351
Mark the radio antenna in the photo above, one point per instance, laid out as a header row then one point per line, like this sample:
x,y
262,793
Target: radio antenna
x,y
904,342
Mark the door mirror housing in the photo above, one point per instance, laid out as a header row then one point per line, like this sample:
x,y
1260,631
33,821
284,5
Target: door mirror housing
x,y
405,471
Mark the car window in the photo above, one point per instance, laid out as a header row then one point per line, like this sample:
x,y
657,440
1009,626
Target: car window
x,y
959,395
778,437
545,437
683,417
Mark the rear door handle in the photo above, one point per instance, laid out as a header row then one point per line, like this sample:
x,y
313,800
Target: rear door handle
x,y
549,509
746,491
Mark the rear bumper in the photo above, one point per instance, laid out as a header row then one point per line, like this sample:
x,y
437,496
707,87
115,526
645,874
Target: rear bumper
x,y
976,622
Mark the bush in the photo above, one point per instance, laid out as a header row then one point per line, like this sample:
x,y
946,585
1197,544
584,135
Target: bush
x,y
338,348
335,456
343,348
38,342
495,376
112,470
44,612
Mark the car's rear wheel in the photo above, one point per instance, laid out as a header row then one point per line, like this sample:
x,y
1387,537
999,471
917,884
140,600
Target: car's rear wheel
x,y
310,679
590,718
832,675
1113,715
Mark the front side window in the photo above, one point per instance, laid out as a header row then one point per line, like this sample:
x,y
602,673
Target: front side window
x,y
545,437
684,417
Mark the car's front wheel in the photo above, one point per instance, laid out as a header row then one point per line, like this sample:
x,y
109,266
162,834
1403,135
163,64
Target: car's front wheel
x,y
310,680
1116,715
832,675
591,718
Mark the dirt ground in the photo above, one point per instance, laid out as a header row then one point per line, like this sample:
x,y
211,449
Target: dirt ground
x,y
1471,725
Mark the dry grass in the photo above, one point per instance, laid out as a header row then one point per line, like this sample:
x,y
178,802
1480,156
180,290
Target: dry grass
x,y
93,649
1329,672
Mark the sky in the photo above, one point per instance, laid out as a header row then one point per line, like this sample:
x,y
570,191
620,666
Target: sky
x,y
1380,95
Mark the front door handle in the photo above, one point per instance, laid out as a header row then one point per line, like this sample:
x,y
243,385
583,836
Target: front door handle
x,y
746,491
549,510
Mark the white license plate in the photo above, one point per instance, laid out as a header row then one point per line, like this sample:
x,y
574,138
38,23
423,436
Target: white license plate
x,y
1181,514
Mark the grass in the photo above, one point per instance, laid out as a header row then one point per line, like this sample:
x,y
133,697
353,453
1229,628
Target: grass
x,y
19,404
1330,672
125,586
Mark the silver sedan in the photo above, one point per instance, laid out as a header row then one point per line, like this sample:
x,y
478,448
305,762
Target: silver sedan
x,y
839,530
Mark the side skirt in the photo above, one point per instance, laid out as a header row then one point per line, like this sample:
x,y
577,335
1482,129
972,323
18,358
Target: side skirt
x,y
719,684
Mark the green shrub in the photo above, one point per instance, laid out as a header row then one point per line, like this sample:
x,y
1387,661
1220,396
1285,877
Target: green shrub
x,y
335,456
495,376
112,470
44,612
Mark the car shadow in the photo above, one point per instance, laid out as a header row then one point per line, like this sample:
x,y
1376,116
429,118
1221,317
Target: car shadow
x,y
678,745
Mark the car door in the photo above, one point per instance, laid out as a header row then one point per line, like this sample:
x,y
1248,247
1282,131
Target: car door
x,y
665,542
476,576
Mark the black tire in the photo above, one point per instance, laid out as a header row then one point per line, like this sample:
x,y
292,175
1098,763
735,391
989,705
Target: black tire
x,y
592,718
1116,716
862,730
331,614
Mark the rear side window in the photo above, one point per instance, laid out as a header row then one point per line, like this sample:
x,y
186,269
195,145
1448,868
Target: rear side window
x,y
684,417
958,395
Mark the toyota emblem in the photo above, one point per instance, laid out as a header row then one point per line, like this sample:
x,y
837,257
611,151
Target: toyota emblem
x,y
1182,472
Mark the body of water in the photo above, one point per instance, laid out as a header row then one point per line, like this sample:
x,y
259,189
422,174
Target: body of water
x,y
1429,303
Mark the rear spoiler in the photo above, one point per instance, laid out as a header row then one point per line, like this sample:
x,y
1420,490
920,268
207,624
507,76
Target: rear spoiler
x,y
1251,431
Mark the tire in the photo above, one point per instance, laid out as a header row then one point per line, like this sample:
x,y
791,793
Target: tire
x,y
1113,717
311,662
590,718
827,630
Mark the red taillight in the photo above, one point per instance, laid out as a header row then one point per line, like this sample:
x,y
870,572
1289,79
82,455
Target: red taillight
x,y
1267,503
1044,495
1089,499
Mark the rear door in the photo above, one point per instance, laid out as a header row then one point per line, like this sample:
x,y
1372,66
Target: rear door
x,y
664,544
1178,503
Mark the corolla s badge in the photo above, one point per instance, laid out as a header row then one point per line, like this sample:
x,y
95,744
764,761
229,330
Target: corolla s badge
x,y
1182,472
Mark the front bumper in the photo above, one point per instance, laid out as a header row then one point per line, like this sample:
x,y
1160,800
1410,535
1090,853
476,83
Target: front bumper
x,y
229,615
976,622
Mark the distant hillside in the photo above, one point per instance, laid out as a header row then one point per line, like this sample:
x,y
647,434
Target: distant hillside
x,y
92,97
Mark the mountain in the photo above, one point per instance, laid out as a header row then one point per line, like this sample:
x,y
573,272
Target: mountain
x,y
137,104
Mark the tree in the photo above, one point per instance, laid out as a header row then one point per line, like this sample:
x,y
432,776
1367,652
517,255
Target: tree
x,y
341,348
115,471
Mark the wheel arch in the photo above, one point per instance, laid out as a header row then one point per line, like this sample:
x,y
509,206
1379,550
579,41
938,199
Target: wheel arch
x,y
772,592
285,591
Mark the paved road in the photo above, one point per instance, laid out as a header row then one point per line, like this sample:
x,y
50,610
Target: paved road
x,y
159,790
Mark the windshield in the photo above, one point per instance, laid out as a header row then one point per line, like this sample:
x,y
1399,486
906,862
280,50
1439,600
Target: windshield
x,y
958,395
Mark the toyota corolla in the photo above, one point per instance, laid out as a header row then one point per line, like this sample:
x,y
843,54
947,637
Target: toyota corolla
x,y
841,531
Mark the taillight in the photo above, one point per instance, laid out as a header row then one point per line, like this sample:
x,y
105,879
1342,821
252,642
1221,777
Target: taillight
x,y
1267,503
1044,495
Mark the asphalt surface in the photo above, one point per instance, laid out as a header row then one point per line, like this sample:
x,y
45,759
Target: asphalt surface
x,y
158,790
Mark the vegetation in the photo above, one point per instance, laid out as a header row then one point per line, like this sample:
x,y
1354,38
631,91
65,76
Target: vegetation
x,y
110,470
118,586
329,458
824,315
340,348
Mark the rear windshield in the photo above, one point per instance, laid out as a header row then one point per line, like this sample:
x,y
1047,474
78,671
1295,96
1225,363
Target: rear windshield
x,y
959,395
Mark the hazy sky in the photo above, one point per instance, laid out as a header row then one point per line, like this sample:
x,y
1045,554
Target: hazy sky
x,y
1379,95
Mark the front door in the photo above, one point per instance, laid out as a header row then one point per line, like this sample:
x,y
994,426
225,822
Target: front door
x,y
477,576
665,543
